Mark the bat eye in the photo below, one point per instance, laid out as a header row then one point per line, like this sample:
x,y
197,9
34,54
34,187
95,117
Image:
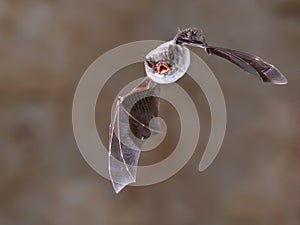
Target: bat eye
x,y
150,63
162,68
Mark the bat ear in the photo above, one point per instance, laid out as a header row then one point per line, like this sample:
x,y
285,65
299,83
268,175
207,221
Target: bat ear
x,y
171,52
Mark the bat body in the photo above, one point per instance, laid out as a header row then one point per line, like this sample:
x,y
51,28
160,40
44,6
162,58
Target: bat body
x,y
164,65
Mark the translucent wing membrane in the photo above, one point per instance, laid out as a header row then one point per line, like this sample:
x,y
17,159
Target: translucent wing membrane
x,y
251,64
129,129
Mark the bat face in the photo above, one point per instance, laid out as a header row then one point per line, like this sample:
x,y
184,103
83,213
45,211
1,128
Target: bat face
x,y
167,63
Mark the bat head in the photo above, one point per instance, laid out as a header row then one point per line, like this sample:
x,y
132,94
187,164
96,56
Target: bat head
x,y
167,63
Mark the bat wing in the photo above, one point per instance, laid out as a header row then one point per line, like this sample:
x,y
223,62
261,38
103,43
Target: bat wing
x,y
248,62
129,129
251,64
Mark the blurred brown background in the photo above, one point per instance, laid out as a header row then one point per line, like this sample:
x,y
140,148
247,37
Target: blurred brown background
x,y
45,47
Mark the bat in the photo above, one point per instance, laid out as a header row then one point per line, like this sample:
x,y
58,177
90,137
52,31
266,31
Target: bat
x,y
167,63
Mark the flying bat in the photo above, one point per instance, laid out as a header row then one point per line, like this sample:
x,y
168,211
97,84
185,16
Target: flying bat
x,y
130,125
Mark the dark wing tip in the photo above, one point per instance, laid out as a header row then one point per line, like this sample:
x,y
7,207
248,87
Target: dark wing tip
x,y
251,64
274,76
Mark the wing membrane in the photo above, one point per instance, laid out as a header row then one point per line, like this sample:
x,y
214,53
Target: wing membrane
x,y
251,64
128,130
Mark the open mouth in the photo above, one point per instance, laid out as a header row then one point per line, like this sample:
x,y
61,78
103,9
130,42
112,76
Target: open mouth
x,y
162,68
